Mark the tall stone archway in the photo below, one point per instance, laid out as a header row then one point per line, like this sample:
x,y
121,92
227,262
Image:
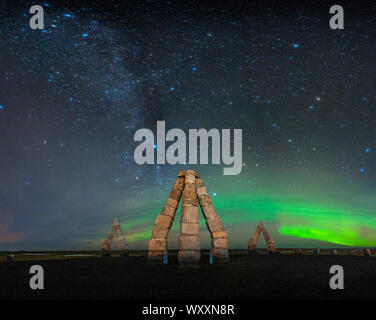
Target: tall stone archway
x,y
252,244
107,242
191,189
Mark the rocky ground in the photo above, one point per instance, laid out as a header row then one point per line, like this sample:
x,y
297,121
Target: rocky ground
x,y
246,277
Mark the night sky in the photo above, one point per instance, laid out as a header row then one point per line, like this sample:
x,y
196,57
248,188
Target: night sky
x,y
73,95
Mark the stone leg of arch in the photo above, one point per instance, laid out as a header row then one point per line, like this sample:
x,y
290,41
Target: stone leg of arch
x,y
162,225
252,244
121,240
219,241
106,246
270,246
189,239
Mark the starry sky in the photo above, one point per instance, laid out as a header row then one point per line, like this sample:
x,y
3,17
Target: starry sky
x,y
73,95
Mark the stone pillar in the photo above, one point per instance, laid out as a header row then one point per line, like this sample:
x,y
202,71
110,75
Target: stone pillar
x,y
189,239
106,246
121,239
252,244
162,225
219,241
270,246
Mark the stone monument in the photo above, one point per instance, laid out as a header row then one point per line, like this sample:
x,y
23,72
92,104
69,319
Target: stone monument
x,y
106,246
270,247
190,188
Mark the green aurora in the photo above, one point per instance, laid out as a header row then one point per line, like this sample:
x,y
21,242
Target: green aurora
x,y
328,216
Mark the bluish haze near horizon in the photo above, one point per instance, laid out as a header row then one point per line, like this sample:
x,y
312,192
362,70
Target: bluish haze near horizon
x,y
73,95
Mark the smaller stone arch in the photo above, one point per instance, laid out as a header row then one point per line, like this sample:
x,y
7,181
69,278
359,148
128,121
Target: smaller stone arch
x,y
252,244
107,242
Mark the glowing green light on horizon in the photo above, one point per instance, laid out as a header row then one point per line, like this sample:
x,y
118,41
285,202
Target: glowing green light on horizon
x,y
312,216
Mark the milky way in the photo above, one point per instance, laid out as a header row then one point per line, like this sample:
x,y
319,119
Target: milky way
x,y
73,95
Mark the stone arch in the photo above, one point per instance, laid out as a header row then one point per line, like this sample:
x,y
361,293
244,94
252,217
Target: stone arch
x,y
107,242
252,244
191,189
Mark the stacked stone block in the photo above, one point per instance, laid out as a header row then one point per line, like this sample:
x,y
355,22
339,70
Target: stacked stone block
x,y
252,244
270,246
189,186
189,239
163,223
106,246
219,241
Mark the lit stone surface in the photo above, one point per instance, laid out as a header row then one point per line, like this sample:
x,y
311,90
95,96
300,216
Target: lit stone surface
x,y
107,242
252,244
190,188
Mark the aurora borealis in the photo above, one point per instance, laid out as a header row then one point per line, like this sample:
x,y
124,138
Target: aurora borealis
x,y
73,95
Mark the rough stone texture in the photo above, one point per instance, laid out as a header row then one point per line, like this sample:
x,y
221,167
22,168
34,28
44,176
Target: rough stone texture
x,y
201,191
221,243
189,215
175,194
190,188
184,173
208,211
214,224
172,203
189,244
252,244
106,246
158,244
168,211
159,232
221,234
270,246
189,228
163,223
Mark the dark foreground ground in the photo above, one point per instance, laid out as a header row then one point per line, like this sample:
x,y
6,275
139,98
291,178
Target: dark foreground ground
x,y
254,277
